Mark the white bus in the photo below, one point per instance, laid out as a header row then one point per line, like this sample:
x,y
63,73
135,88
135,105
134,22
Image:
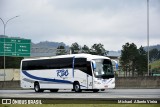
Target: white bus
x,y
76,72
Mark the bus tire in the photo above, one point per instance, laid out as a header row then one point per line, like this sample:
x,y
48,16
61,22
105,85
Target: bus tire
x,y
102,89
37,87
54,90
95,90
76,87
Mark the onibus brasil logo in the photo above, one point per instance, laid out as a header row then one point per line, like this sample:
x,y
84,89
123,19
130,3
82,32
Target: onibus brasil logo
x,y
62,72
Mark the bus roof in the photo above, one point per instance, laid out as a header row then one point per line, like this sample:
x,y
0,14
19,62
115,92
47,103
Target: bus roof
x,y
88,56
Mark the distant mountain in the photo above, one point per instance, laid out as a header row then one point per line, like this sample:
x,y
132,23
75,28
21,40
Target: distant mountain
x,y
48,44
42,44
114,53
152,47
2,36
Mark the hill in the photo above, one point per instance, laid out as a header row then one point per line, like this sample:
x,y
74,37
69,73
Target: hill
x,y
155,68
42,44
152,47
49,44
155,65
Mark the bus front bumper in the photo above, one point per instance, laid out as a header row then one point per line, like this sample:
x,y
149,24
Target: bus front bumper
x,y
110,83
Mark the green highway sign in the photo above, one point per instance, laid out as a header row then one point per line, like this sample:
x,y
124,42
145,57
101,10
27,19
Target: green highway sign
x,y
15,47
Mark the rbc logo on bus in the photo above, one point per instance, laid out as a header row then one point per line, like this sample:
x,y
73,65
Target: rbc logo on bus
x,y
62,73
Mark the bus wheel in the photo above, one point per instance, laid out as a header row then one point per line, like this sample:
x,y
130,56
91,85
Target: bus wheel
x,y
37,87
95,90
76,87
54,90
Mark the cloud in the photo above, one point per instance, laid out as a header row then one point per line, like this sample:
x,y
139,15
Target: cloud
x,y
112,23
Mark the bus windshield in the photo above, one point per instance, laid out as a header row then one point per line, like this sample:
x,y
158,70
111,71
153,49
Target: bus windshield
x,y
103,69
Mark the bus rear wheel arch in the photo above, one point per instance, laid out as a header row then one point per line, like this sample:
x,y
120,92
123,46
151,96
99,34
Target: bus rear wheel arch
x,y
37,87
95,90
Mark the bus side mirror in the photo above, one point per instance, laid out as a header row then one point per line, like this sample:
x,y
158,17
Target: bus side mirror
x,y
94,64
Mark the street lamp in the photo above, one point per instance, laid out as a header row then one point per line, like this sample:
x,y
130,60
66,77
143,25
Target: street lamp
x,y
148,32
5,24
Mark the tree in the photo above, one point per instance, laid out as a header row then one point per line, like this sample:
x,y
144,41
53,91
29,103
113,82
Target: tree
x,y
75,48
159,54
98,49
128,58
133,59
124,59
60,50
141,61
85,49
154,54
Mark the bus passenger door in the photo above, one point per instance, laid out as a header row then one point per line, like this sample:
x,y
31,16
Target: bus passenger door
x,y
89,76
89,82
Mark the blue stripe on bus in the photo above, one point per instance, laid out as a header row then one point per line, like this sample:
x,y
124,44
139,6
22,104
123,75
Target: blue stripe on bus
x,y
46,79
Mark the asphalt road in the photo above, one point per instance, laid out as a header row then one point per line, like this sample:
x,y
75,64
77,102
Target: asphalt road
x,y
111,93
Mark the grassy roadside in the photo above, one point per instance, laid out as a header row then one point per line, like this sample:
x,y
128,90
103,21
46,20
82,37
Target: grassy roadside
x,y
85,105
155,64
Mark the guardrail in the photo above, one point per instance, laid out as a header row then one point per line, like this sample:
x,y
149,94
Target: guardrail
x,y
138,82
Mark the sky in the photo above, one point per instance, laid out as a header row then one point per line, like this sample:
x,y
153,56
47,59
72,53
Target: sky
x,y
109,22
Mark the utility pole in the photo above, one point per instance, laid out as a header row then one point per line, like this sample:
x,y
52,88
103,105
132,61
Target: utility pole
x,y
148,32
